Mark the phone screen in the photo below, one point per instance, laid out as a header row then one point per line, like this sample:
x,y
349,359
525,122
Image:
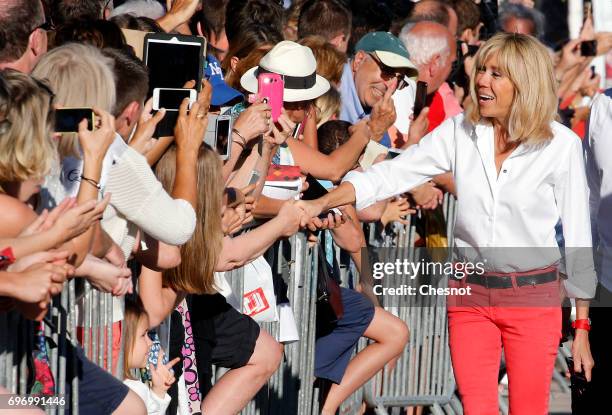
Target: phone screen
x,y
223,134
171,64
172,98
588,48
67,119
420,100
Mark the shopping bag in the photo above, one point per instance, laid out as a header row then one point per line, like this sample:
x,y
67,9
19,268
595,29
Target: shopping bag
x,y
259,301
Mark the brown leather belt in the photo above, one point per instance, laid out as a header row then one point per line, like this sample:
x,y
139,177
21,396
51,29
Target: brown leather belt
x,y
499,281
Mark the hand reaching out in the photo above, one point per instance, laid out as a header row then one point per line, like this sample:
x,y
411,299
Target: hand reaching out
x,y
231,221
46,219
396,211
51,257
78,219
427,196
106,277
183,10
37,283
291,216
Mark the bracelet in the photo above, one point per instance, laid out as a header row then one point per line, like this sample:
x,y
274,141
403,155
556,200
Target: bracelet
x,y
244,141
6,257
91,182
584,324
239,143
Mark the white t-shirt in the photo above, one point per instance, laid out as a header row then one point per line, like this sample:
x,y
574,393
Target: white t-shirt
x,y
155,404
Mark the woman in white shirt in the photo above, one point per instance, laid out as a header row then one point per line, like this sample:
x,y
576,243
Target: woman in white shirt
x,y
517,173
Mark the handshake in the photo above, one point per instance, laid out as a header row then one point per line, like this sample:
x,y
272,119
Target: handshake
x,y
307,214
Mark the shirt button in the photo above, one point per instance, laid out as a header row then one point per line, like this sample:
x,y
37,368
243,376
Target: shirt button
x,y
505,171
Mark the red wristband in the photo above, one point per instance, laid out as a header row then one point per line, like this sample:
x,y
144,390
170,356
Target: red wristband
x,y
6,257
584,324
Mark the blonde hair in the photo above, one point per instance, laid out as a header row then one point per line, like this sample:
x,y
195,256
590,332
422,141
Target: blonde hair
x,y
327,106
199,256
134,312
26,114
527,63
81,76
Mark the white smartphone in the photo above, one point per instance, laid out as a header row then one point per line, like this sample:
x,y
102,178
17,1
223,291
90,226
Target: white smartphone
x,y
171,98
219,134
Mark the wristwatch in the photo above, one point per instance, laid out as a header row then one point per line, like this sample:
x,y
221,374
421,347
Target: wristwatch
x,y
584,324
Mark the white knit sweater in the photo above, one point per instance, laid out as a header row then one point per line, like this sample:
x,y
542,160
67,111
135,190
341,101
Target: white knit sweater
x,y
138,199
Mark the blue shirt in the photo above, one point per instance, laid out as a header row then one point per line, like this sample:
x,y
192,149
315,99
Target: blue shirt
x,y
351,109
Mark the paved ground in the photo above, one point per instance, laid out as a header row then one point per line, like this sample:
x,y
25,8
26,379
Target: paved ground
x,y
560,401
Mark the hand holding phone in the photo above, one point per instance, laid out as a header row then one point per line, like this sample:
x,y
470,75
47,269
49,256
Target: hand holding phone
x,y
270,87
67,120
420,99
96,143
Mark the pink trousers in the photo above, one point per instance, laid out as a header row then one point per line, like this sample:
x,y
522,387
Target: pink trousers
x,y
529,336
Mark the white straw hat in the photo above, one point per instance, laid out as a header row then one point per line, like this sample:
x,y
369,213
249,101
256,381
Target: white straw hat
x,y
297,66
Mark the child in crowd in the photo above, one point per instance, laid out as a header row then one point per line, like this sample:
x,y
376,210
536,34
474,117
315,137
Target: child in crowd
x,y
138,344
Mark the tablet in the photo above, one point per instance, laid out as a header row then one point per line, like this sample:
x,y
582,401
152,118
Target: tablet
x,y
172,60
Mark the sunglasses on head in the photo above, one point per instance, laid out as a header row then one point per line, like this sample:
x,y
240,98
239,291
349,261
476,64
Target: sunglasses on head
x,y
387,73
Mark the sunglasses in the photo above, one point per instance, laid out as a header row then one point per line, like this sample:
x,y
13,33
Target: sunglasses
x,y
387,73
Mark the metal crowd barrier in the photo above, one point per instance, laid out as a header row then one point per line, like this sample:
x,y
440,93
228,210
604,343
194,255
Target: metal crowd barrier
x,y
290,390
60,330
422,376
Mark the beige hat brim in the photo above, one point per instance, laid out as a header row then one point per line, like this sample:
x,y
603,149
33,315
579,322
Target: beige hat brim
x,y
396,61
321,86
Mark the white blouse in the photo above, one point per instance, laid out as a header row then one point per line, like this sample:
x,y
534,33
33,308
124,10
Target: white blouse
x,y
598,154
535,188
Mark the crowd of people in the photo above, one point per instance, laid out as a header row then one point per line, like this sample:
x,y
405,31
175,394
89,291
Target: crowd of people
x,y
157,220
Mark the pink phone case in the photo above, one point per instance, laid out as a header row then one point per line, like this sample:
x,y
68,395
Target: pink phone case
x,y
270,87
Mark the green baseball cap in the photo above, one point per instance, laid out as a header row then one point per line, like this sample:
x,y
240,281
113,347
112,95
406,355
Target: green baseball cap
x,y
389,49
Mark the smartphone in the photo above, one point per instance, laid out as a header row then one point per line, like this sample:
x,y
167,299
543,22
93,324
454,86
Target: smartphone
x,y
67,119
316,190
472,49
171,98
270,87
588,48
578,381
218,134
172,60
224,132
420,99
593,73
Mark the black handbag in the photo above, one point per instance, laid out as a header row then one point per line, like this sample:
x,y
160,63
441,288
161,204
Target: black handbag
x,y
329,296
